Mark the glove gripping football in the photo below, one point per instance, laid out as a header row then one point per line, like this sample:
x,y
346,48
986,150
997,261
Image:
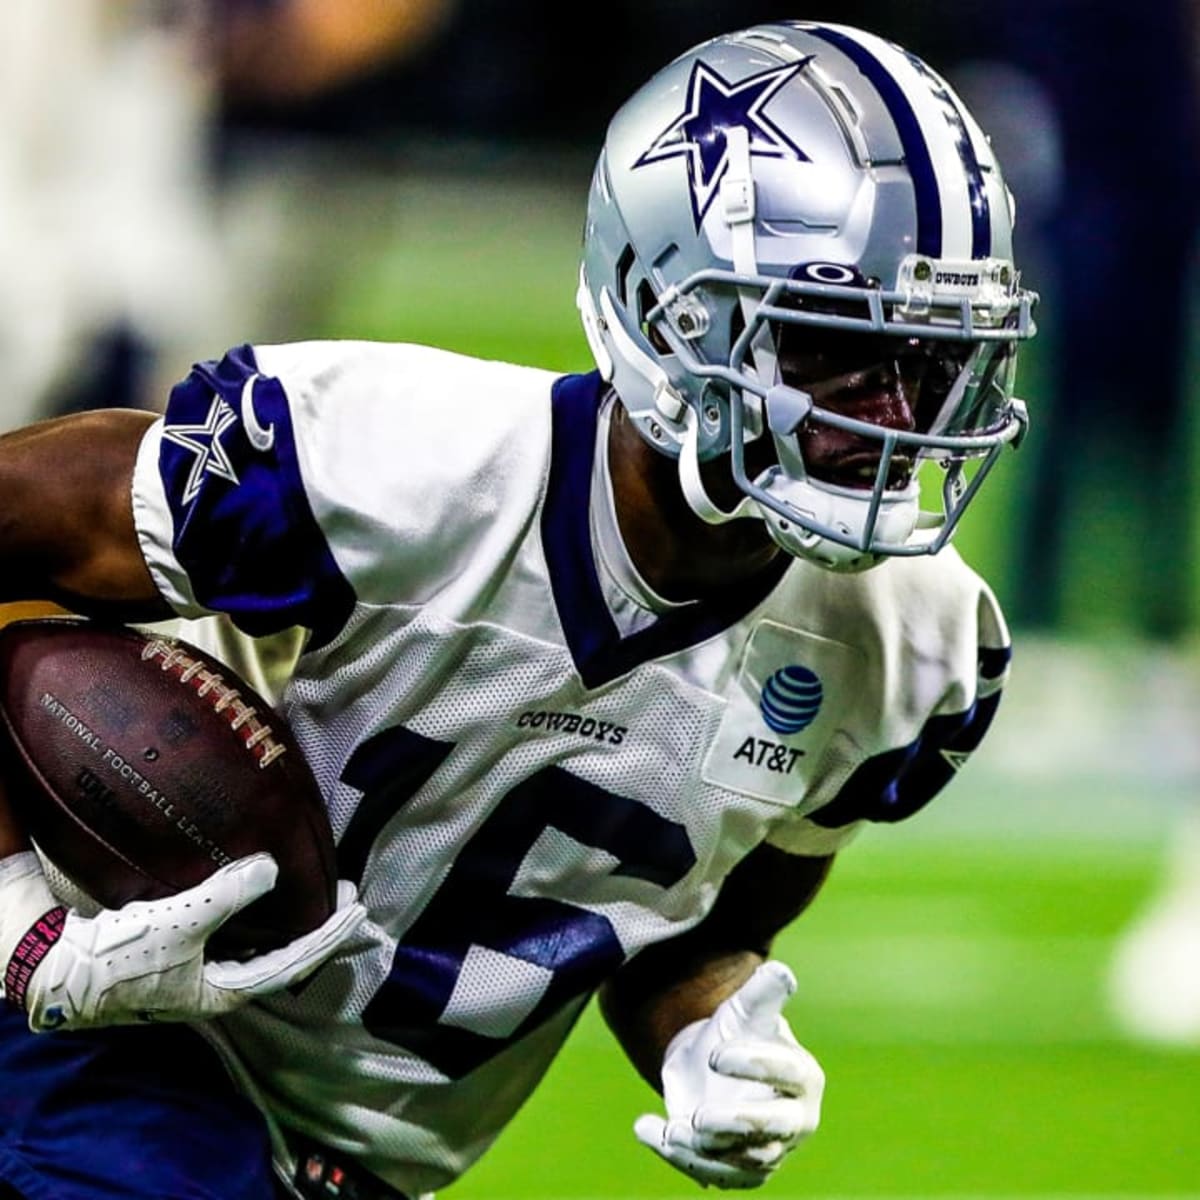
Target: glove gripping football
x,y
145,961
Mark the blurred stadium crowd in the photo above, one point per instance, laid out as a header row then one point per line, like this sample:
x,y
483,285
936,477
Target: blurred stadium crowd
x,y
177,176
163,166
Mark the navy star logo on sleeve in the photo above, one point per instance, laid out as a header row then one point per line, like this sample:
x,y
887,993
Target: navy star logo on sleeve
x,y
204,441
713,106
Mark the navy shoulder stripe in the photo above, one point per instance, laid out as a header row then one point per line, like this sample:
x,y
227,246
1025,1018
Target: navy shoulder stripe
x,y
892,786
244,530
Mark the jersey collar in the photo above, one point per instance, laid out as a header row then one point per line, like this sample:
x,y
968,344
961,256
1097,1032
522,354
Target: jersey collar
x,y
597,648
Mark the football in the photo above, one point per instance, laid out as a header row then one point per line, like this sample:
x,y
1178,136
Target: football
x,y
139,765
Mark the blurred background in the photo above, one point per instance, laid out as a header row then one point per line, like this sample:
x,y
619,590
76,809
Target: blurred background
x,y
1005,990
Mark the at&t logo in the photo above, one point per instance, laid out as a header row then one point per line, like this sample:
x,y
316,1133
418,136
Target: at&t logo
x,y
791,699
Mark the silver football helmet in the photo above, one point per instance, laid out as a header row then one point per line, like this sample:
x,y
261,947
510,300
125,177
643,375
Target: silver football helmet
x,y
778,216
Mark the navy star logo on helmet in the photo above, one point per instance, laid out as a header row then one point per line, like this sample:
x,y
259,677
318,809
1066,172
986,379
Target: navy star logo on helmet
x,y
774,214
713,106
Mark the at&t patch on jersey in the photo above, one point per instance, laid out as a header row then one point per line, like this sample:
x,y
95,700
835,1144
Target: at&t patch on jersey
x,y
790,697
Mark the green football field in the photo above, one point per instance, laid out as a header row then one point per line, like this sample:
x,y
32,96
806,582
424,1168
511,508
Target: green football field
x,y
952,973
953,993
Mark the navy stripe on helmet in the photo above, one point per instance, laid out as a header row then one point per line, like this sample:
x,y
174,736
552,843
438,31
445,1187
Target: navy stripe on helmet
x,y
916,152
981,209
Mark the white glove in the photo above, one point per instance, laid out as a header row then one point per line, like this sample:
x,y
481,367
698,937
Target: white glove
x,y
145,961
740,1091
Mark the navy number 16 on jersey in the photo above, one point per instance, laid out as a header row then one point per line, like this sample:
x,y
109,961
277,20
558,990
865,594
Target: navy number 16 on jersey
x,y
546,951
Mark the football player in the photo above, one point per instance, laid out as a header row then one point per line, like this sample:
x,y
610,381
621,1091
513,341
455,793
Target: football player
x,y
597,673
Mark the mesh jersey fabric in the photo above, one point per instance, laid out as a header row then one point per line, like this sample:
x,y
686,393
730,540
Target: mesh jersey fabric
x,y
525,795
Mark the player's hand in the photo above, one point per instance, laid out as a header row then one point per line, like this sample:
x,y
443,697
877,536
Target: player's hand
x,y
145,961
740,1091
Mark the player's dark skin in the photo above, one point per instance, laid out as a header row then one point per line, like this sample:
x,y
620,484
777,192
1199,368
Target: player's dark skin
x,y
67,536
683,558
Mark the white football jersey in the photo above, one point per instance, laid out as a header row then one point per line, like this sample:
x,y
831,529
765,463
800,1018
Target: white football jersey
x,y
532,771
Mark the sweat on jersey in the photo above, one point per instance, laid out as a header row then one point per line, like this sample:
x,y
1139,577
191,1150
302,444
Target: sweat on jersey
x,y
525,794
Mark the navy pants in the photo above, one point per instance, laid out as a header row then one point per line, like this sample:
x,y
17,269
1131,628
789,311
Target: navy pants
x,y
144,1113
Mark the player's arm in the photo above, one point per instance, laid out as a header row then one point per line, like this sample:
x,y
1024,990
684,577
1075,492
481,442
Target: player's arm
x,y
66,517
66,527
673,983
701,1018
67,534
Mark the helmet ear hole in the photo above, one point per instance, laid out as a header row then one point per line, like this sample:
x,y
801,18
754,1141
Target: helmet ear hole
x,y
737,323
624,265
646,300
737,326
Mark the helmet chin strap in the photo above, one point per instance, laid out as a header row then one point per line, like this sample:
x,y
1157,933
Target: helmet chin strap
x,y
738,208
738,205
694,491
894,522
